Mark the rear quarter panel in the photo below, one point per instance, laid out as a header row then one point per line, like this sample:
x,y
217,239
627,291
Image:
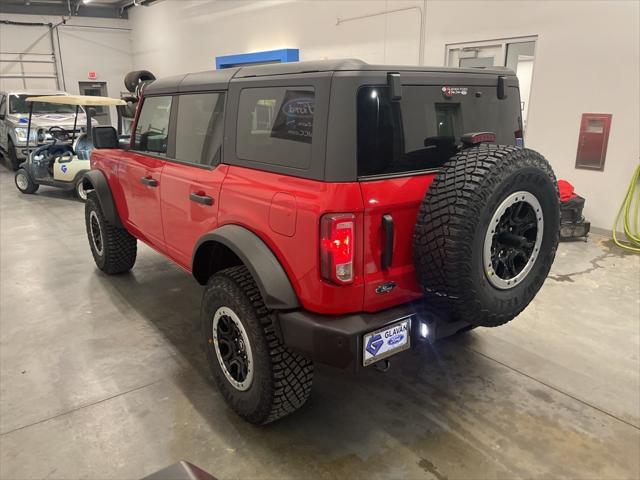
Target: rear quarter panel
x,y
254,199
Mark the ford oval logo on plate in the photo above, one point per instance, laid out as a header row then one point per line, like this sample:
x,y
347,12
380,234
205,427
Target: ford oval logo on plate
x,y
396,339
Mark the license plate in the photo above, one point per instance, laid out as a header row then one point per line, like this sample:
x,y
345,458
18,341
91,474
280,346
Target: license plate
x,y
386,341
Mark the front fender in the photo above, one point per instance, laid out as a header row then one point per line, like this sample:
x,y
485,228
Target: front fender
x,y
95,180
271,279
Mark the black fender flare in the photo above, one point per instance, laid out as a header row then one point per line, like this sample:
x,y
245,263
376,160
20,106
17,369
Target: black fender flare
x,y
95,180
271,279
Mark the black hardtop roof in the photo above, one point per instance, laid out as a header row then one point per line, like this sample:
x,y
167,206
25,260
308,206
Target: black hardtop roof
x,y
213,79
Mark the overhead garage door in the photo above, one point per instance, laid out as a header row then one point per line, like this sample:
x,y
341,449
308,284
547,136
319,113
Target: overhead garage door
x,y
27,57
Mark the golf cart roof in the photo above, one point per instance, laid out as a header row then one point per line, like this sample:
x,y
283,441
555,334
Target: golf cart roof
x,y
86,100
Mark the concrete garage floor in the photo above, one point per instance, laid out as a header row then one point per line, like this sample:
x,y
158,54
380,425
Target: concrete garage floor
x,y
101,378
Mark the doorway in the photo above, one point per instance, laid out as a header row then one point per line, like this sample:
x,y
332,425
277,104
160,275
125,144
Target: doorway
x,y
518,54
97,89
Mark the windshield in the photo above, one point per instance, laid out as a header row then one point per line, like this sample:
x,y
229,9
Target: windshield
x,y
18,104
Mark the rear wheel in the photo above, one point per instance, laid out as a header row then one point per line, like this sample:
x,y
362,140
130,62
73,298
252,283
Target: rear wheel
x,y
487,233
259,378
81,193
24,182
114,249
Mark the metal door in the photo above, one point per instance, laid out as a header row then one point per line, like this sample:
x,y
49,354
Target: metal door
x,y
97,89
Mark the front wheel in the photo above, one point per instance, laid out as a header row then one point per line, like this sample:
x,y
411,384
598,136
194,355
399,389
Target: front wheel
x,y
24,182
259,378
13,156
114,249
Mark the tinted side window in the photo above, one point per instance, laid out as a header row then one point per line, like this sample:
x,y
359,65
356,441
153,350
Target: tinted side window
x,y
200,128
152,129
275,125
423,130
3,105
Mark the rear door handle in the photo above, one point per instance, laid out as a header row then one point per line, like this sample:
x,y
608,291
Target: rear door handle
x,y
201,198
387,248
151,182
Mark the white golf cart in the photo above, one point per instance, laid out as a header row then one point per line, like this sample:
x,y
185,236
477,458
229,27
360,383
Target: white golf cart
x,y
62,157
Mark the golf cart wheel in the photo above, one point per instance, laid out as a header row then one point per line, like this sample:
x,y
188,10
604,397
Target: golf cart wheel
x,y
13,156
259,378
487,234
114,249
24,182
79,190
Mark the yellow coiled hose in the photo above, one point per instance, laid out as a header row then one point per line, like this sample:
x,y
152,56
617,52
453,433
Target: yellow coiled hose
x,y
632,241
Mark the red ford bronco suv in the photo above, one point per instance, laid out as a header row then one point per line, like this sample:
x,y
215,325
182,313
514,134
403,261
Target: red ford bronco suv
x,y
335,211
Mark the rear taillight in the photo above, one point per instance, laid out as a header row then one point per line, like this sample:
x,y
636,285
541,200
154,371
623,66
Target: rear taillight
x,y
519,138
337,242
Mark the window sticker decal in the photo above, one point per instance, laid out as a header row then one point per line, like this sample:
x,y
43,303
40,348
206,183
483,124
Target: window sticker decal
x,y
295,117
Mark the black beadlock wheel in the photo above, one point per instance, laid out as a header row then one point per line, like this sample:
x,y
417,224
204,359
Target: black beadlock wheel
x,y
114,249
259,378
487,234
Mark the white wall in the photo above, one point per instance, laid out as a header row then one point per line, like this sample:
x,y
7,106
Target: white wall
x,y
86,44
587,60
179,36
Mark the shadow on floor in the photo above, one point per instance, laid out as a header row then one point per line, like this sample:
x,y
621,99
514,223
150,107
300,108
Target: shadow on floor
x,y
410,402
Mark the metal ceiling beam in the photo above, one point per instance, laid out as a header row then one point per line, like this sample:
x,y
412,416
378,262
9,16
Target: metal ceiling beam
x,y
61,10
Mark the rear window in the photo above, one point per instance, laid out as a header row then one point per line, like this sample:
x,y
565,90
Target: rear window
x,y
275,125
199,128
423,129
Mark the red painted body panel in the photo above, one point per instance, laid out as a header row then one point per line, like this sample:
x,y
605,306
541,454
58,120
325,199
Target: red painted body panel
x,y
184,220
283,211
399,197
141,201
246,200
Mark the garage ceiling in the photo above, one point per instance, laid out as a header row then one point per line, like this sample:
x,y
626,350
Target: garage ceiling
x,y
83,8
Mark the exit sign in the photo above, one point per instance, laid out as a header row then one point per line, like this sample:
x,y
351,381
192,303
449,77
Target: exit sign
x,y
92,75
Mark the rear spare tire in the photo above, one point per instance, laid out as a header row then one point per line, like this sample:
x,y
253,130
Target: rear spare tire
x,y
487,233
133,79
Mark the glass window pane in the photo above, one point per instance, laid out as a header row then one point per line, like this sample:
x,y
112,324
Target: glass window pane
x,y
423,130
200,128
515,50
275,125
152,130
476,62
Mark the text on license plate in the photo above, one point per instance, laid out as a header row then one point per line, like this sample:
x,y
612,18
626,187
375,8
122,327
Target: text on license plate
x,y
386,341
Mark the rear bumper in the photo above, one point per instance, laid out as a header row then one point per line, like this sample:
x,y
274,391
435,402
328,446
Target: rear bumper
x,y
338,340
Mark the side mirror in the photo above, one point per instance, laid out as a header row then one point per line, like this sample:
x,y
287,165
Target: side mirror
x,y
105,137
125,141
